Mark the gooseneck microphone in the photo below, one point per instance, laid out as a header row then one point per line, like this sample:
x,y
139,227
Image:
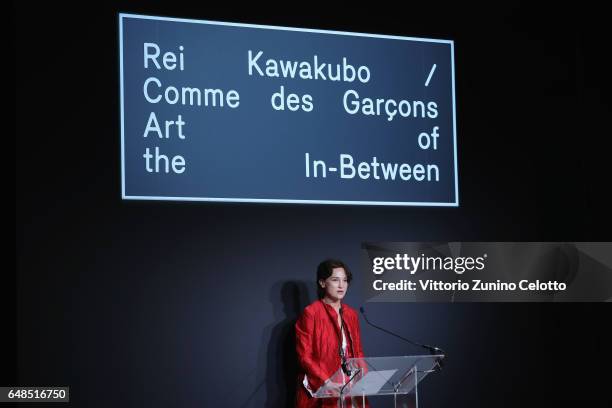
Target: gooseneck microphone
x,y
432,350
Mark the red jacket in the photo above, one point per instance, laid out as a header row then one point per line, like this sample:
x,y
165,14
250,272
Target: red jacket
x,y
317,346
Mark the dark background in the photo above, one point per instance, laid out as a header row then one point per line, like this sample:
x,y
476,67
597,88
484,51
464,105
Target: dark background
x,y
191,304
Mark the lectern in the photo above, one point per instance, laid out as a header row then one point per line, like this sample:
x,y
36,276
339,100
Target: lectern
x,y
373,376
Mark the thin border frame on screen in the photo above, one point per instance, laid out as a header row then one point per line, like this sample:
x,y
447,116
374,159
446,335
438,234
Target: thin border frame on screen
x,y
285,201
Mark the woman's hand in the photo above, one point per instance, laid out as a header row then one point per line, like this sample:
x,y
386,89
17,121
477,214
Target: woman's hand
x,y
333,385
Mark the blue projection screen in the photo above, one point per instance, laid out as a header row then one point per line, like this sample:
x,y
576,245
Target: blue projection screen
x,y
214,111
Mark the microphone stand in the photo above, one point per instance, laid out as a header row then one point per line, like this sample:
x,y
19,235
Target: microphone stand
x,y
432,349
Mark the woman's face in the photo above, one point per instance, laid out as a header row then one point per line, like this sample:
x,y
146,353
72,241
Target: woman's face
x,y
336,285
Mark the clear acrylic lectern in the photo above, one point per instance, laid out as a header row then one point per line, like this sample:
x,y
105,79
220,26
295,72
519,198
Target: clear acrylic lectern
x,y
371,376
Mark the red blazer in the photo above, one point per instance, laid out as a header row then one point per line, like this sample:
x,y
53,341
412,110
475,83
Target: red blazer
x,y
317,345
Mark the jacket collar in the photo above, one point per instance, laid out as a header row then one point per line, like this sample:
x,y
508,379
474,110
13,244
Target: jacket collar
x,y
331,313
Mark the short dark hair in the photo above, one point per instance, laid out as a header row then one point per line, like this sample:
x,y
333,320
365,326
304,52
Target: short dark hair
x,y
325,270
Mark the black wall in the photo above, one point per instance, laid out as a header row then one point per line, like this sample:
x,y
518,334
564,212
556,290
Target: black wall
x,y
192,304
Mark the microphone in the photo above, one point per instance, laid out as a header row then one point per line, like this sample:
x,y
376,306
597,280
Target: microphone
x,y
432,349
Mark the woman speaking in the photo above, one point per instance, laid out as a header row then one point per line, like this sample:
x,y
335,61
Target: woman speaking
x,y
327,334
